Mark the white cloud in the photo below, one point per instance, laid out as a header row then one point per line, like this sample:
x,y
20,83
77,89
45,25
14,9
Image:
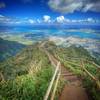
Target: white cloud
x,y
1,16
67,20
60,19
46,18
4,19
18,22
38,21
69,6
31,21
90,20
87,7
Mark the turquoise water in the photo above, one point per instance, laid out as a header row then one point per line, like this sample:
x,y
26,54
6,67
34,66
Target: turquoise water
x,y
45,32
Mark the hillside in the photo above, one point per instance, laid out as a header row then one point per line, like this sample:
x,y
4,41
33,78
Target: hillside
x,y
27,75
73,58
9,48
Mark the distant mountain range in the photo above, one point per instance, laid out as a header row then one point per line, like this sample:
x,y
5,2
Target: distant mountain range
x,y
9,48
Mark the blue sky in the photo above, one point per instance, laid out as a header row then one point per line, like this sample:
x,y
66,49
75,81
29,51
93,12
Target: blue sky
x,y
49,11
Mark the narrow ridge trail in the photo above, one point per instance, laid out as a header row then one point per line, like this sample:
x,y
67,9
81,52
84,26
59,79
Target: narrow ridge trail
x,y
73,89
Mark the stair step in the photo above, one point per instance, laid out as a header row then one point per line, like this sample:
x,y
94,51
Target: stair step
x,y
68,74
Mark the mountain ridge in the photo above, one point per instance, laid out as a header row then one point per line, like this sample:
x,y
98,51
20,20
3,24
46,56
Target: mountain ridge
x,y
9,48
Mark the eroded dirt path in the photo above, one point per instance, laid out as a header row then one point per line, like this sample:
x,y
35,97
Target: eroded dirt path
x,y
73,89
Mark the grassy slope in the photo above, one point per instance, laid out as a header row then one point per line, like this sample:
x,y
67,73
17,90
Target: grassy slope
x,y
27,75
66,55
29,72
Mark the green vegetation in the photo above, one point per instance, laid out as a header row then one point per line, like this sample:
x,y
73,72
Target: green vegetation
x,y
25,76
71,57
26,87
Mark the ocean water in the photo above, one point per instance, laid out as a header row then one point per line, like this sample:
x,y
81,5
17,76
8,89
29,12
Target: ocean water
x,y
86,36
92,32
